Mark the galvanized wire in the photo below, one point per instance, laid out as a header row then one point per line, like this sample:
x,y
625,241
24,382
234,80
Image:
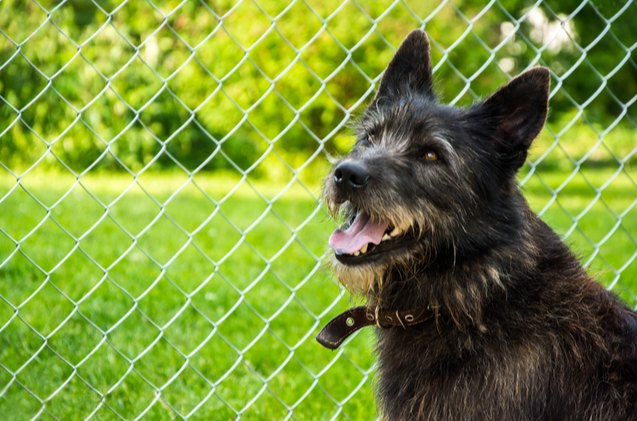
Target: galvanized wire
x,y
11,376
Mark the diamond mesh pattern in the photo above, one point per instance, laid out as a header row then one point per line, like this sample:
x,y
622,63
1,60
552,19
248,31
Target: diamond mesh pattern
x,y
161,236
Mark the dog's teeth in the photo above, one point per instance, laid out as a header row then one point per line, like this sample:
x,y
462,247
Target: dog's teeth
x,y
395,232
386,237
358,253
363,249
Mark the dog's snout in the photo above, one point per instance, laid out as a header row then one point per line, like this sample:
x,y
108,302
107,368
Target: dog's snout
x,y
351,175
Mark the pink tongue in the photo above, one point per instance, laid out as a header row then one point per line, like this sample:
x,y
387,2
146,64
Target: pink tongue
x,y
361,232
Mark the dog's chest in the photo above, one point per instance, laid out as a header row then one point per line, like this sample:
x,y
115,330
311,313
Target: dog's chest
x,y
433,376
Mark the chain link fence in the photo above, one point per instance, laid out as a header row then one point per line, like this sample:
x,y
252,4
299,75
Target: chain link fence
x,y
161,236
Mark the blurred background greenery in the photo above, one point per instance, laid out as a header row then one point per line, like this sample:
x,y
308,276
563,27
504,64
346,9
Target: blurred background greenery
x,y
218,85
161,237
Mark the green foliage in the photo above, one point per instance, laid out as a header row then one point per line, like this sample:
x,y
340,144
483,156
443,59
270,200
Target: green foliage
x,y
216,85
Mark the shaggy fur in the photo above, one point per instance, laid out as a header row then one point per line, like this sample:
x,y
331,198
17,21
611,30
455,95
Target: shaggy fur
x,y
521,331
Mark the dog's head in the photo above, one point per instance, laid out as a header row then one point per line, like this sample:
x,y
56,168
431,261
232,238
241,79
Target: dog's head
x,y
426,181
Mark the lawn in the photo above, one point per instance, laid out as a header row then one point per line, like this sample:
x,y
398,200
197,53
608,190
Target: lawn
x,y
170,297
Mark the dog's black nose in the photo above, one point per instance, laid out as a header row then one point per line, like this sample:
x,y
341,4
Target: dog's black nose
x,y
351,175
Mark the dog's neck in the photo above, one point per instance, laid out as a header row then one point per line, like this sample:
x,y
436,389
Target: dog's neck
x,y
460,282
458,287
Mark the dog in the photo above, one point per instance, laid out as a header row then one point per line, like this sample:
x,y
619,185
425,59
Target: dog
x,y
482,312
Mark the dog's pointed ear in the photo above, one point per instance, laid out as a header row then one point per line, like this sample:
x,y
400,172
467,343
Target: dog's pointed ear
x,y
409,70
515,114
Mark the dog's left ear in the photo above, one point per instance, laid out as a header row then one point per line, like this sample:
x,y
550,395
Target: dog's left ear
x,y
515,114
409,70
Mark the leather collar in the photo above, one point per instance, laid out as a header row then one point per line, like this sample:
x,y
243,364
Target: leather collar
x,y
348,322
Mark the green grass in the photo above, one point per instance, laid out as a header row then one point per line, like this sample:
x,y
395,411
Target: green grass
x,y
159,293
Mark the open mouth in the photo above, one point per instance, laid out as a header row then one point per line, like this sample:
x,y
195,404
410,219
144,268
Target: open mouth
x,y
364,240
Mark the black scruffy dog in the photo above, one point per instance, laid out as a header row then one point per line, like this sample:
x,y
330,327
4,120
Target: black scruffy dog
x,y
482,312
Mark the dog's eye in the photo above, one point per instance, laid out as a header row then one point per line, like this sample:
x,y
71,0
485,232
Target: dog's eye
x,y
430,156
363,140
370,136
